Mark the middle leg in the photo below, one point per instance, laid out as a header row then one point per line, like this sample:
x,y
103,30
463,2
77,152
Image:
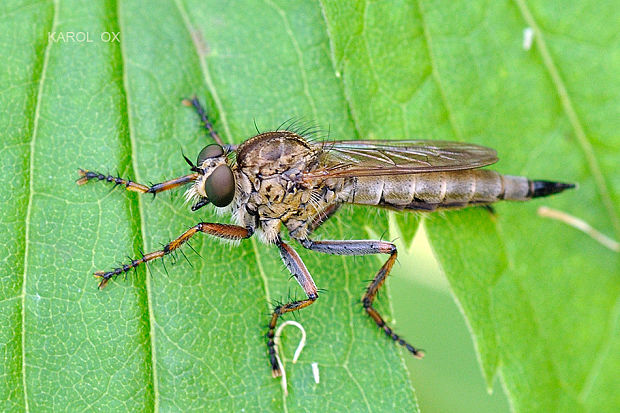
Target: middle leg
x,y
367,247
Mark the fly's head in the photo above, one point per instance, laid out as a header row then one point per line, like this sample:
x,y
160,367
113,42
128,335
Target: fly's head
x,y
216,181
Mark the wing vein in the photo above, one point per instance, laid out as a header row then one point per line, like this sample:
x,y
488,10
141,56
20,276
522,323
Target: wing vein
x,y
363,158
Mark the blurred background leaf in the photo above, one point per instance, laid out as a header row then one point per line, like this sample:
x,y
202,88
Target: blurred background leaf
x,y
540,298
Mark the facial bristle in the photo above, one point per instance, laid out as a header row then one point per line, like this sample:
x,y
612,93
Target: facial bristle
x,y
191,194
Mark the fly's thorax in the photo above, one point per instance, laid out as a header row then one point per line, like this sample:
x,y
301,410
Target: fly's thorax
x,y
270,168
265,202
270,165
273,196
276,153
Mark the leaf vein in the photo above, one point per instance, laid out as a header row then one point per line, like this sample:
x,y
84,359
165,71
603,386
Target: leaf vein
x,y
204,69
573,118
142,230
340,75
31,193
300,60
435,72
604,349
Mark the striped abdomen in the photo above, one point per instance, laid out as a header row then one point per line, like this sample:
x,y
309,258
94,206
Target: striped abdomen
x,y
454,189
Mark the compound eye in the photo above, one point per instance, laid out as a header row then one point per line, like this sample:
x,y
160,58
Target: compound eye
x,y
220,186
210,151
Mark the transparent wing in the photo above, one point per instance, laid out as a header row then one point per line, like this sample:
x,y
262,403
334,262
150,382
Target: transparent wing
x,y
371,158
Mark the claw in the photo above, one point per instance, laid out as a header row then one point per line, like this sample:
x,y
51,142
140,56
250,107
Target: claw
x,y
83,178
104,279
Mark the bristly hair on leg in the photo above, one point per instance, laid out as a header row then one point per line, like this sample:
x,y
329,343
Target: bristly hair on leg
x,y
289,296
163,263
175,257
150,273
193,249
117,183
125,273
173,196
185,256
275,303
113,187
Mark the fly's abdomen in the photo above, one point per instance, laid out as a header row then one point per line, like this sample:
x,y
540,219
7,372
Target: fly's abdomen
x,y
453,189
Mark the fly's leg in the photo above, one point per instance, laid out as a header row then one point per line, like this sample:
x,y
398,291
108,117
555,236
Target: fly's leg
x,y
489,209
231,232
204,119
366,248
87,175
323,216
298,269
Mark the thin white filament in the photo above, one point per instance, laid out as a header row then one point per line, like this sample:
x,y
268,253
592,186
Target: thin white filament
x,y
300,347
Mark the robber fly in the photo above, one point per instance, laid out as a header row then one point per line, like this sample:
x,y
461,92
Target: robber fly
x,y
280,180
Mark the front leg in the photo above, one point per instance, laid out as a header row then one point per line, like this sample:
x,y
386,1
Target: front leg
x,y
296,266
231,232
204,119
129,185
367,247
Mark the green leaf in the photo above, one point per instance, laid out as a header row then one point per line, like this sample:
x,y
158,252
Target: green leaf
x,y
194,336
541,298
